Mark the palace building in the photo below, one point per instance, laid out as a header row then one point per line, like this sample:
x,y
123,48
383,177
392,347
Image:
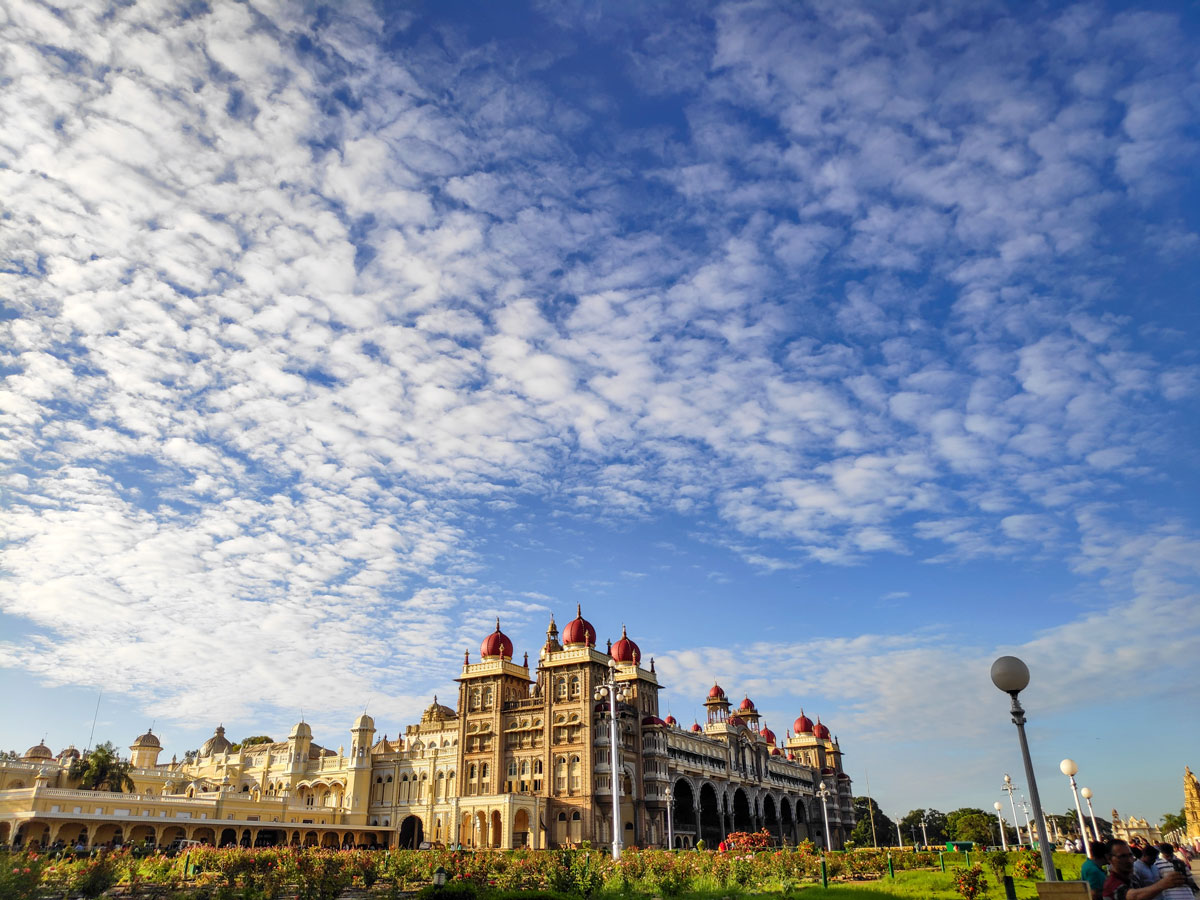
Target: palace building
x,y
524,760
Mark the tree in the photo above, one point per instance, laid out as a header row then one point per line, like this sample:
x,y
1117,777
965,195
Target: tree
x,y
1174,821
865,810
935,825
250,742
102,769
970,824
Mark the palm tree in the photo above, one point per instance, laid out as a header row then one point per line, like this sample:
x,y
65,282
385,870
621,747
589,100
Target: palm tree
x,y
102,770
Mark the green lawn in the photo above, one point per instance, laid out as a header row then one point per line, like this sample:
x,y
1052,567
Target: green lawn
x,y
933,885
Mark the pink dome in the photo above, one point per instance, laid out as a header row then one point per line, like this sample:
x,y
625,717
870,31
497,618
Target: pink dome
x,y
496,645
626,651
579,631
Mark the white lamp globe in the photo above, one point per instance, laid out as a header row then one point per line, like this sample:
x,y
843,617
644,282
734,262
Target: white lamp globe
x,y
997,805
1086,792
1068,767
1010,674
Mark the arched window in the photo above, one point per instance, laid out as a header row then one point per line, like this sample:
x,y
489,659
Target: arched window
x,y
560,687
576,774
574,686
560,773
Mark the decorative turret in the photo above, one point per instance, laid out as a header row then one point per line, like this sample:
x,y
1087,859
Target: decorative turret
x,y
579,631
144,751
717,704
362,735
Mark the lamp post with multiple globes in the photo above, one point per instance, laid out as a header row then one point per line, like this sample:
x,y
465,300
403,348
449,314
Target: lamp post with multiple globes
x,y
670,826
1009,787
1011,675
612,691
824,793
1069,768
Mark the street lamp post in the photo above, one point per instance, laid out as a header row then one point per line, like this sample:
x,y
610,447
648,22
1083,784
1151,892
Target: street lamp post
x,y
1086,792
924,833
1069,768
1009,787
613,692
670,826
1011,675
823,793
1028,826
1003,837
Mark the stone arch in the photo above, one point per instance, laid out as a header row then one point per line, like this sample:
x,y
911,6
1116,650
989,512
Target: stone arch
x,y
683,809
770,818
205,835
229,837
497,829
711,822
412,833
520,827
743,820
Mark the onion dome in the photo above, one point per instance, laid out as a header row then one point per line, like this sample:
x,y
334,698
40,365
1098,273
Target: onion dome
x,y
716,692
437,712
803,725
146,740
364,722
69,753
827,770
775,751
40,751
747,705
821,731
579,631
649,721
672,721
626,651
736,721
842,776
299,730
219,744
768,735
496,645
696,727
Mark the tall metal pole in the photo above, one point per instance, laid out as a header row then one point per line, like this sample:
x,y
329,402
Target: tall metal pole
x,y
1087,795
1000,818
614,764
1028,829
1018,717
871,810
1069,771
924,833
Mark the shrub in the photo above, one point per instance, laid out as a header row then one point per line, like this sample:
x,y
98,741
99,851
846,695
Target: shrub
x,y
1027,865
971,883
998,861
20,874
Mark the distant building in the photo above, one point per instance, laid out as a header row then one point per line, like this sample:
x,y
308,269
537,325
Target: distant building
x,y
524,760
1135,829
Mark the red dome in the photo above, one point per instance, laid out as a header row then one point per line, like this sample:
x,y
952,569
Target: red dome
x,y
671,721
768,735
626,651
791,756
737,720
716,693
652,720
821,731
747,705
579,631
496,645
775,751
696,726
803,725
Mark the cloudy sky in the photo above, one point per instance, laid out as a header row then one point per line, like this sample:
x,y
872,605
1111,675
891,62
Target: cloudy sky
x,y
833,350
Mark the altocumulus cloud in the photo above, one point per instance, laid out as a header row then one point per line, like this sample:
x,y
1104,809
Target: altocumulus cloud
x,y
291,297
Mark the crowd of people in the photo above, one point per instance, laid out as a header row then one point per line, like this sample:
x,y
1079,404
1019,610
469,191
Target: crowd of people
x,y
1118,870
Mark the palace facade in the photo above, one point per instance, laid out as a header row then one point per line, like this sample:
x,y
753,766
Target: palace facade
x,y
523,760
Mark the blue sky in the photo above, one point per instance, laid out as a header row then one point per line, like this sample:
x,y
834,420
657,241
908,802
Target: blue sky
x,y
833,349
